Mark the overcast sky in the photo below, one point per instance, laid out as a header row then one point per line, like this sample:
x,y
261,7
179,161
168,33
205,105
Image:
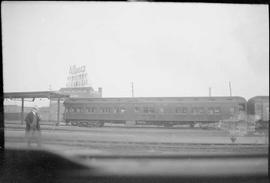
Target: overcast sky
x,y
166,49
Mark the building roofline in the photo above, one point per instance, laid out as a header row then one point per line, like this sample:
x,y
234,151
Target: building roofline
x,y
35,94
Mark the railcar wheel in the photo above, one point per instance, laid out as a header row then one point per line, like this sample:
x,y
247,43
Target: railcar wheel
x,y
84,124
74,123
192,125
100,124
93,124
168,125
80,124
68,123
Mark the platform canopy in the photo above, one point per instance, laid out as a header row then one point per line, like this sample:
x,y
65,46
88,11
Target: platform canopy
x,y
35,94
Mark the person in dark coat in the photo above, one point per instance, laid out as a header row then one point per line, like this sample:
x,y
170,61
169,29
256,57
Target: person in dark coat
x,y
32,130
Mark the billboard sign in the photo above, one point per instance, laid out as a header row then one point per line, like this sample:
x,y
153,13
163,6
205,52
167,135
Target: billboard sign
x,y
77,77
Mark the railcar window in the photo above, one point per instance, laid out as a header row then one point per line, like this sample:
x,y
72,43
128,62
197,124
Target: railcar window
x,y
232,110
145,109
178,110
201,110
136,109
267,112
148,110
181,110
79,109
258,107
116,110
73,109
151,110
185,110
241,107
194,110
123,110
107,109
217,110
210,110
89,109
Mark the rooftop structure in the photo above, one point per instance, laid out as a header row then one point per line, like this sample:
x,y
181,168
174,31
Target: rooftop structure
x,y
77,84
81,92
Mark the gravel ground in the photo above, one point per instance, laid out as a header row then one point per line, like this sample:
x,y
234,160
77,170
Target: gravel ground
x,y
120,140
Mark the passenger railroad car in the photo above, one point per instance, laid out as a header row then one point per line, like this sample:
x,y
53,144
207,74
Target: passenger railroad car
x,y
166,111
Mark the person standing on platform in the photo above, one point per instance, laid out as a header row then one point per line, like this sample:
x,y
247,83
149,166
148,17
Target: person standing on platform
x,y
32,130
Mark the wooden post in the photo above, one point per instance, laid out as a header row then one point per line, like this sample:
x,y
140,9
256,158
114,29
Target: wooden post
x,y
132,89
230,89
58,111
22,111
50,113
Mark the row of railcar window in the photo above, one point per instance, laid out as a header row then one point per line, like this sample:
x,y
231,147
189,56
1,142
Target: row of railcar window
x,y
177,110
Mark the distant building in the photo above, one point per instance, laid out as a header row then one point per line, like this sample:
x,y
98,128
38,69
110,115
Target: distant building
x,y
77,84
11,108
13,112
76,87
82,92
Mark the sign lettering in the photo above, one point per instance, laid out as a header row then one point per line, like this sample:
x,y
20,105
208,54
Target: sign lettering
x,y
77,76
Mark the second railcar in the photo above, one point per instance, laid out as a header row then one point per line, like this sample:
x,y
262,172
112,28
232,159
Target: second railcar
x,y
167,111
259,107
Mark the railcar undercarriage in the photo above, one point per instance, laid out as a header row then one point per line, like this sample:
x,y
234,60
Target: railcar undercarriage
x,y
139,123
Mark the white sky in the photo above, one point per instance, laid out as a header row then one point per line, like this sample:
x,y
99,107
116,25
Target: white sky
x,y
166,49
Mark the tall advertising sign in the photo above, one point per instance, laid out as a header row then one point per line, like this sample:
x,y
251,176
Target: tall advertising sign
x,y
77,77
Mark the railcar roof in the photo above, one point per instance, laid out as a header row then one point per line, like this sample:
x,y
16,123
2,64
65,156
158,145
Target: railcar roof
x,y
259,98
146,99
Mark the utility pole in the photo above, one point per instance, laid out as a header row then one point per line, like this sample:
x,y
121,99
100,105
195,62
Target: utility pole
x,y
50,115
209,91
132,89
230,88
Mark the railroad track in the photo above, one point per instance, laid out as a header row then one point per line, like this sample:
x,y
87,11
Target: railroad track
x,y
146,147
69,128
16,124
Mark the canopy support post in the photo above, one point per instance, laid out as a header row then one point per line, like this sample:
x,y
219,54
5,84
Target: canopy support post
x,y
58,111
22,111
